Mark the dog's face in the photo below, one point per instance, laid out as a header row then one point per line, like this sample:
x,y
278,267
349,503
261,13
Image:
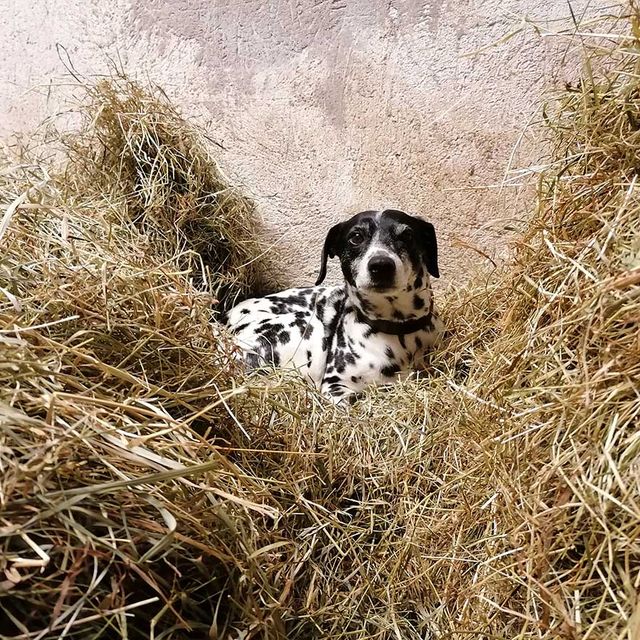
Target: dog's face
x,y
383,252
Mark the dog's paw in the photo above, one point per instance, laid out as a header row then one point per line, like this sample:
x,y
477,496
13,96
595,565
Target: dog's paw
x,y
343,398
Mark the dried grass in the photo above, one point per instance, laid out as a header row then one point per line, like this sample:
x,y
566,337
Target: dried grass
x,y
136,153
150,490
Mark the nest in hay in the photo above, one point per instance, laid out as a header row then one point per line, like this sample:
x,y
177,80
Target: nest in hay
x,y
148,489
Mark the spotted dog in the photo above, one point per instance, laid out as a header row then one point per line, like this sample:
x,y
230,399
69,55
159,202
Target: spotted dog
x,y
378,324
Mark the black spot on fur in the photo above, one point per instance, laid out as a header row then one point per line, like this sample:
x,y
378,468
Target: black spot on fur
x,y
340,337
339,361
276,309
417,284
418,302
319,309
267,351
303,326
271,333
418,343
335,323
244,311
265,328
365,305
390,370
252,360
286,302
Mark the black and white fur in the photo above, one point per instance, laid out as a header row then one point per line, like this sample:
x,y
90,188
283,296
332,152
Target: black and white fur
x,y
378,324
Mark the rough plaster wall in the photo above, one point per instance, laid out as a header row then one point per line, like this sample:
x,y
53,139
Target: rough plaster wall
x,y
325,107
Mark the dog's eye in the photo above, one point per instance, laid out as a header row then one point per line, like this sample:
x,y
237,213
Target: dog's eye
x,y
356,238
406,235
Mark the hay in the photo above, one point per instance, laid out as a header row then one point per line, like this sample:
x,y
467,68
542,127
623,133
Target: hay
x,y
150,490
135,152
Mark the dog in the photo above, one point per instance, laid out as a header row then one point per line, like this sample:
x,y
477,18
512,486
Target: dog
x,y
376,326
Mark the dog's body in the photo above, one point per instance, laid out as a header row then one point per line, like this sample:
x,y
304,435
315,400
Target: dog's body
x,y
380,323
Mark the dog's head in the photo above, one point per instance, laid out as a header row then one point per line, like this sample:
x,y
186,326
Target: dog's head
x,y
383,252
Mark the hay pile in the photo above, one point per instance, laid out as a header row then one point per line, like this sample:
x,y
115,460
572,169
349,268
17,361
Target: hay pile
x,y
134,152
150,490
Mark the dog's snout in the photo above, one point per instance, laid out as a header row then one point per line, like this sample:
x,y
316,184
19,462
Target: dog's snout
x,y
382,268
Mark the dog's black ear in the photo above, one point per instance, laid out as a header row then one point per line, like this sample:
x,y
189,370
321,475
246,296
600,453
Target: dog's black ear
x,y
429,247
329,250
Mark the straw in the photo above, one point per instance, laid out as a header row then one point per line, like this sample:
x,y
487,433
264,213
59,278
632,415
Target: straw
x,y
150,488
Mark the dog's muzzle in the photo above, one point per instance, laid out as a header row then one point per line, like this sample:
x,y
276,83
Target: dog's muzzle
x,y
382,271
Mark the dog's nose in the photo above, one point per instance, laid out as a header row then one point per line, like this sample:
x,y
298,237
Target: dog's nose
x,y
382,268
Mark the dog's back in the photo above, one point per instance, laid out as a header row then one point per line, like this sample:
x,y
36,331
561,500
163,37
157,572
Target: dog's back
x,y
290,329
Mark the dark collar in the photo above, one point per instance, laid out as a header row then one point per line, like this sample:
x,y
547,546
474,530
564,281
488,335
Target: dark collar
x,y
400,327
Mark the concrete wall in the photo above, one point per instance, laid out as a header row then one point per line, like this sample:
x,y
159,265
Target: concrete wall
x,y
325,107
